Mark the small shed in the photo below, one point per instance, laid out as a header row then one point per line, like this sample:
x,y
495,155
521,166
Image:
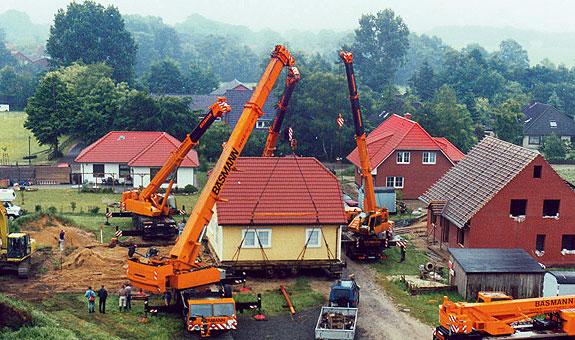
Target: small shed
x,y
384,197
559,283
512,271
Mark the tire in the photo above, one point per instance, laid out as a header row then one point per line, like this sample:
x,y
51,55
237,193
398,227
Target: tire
x,y
11,217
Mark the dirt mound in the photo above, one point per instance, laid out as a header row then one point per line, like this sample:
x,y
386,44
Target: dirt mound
x,y
74,237
13,317
86,259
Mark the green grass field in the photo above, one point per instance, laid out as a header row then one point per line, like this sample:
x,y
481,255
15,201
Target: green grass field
x,y
14,139
567,174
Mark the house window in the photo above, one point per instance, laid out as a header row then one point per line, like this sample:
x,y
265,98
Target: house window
x,y
124,170
552,123
403,157
429,157
534,140
252,238
313,237
540,243
537,171
98,170
568,242
445,225
518,208
396,182
154,172
260,124
551,208
461,236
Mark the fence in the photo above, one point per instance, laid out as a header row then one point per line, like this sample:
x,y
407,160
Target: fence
x,y
36,174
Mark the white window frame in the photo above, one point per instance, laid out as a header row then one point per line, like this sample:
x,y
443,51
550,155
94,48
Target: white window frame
x,y
390,180
396,181
260,124
256,244
308,232
429,154
534,140
552,123
403,157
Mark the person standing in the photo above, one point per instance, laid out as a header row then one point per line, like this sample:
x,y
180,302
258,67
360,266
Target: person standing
x,y
91,296
61,240
128,297
102,295
181,226
122,297
167,297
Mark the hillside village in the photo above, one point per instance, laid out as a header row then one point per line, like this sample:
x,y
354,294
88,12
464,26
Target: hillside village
x,y
226,185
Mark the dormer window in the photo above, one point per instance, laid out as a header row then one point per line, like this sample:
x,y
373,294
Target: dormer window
x,y
553,123
122,137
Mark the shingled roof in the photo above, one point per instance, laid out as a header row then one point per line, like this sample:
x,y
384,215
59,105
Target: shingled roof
x,y
401,133
544,120
301,189
470,184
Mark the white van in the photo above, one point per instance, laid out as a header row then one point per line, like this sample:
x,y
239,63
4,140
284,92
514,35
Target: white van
x,y
7,195
12,211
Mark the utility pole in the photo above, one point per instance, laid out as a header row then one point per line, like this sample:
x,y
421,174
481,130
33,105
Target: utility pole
x,y
29,156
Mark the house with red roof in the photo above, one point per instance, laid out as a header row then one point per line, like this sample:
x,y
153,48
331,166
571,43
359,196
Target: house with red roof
x,y
404,156
504,196
280,215
134,158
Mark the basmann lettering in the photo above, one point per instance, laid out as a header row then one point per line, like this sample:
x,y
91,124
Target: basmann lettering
x,y
554,302
223,176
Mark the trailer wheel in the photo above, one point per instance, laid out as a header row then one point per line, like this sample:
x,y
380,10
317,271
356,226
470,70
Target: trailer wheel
x,y
270,273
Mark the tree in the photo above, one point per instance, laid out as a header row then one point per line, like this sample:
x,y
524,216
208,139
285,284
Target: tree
x,y
138,111
90,33
509,120
511,52
452,120
50,111
199,80
16,87
381,43
165,77
6,58
553,148
211,142
423,82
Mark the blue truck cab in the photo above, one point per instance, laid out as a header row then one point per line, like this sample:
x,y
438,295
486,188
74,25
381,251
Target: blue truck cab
x,y
344,293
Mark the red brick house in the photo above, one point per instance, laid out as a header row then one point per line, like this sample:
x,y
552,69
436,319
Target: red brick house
x,y
504,196
403,155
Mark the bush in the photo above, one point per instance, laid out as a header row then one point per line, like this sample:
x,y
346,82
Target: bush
x,y
94,210
350,171
190,189
52,210
38,208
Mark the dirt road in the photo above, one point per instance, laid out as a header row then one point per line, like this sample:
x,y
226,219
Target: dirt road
x,y
379,318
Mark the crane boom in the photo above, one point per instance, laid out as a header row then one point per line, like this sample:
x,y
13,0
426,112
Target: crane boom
x,y
148,202
180,270
274,131
360,137
497,318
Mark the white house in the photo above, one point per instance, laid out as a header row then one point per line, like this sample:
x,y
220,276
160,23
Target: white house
x,y
134,157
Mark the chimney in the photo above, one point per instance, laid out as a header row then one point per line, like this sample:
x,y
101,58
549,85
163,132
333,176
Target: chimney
x,y
407,116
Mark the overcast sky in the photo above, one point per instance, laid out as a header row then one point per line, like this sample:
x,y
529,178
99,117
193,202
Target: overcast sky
x,y
420,15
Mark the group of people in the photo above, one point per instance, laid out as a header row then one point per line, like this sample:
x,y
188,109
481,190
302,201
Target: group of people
x,y
124,298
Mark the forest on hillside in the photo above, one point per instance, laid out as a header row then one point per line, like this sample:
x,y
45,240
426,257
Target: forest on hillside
x,y
104,79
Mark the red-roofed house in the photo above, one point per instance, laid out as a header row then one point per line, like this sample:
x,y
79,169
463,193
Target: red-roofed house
x,y
273,207
403,155
134,157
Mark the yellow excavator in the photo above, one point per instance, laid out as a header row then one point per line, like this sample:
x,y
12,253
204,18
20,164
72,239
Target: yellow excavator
x,y
15,249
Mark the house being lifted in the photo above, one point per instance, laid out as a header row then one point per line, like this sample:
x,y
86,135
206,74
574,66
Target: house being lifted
x,y
279,215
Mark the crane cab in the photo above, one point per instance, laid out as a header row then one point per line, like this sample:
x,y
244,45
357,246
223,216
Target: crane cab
x,y
211,314
487,297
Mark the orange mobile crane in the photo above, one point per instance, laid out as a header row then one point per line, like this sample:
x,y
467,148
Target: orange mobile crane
x,y
182,270
370,232
151,212
274,131
497,316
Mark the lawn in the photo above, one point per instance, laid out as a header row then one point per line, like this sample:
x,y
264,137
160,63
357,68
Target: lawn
x,y
422,306
567,174
14,140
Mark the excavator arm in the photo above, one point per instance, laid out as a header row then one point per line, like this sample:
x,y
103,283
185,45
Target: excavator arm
x,y
274,131
180,270
148,202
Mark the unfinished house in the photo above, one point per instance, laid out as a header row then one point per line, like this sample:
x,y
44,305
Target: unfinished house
x,y
278,215
504,196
